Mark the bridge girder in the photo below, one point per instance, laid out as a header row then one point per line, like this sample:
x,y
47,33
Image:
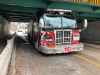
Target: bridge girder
x,y
30,8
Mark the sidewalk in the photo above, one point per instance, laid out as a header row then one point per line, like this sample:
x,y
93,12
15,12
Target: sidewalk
x,y
92,45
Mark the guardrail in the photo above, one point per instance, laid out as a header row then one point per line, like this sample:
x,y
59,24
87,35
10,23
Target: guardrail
x,y
5,57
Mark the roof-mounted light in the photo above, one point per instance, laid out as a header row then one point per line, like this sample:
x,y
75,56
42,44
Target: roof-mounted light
x,y
59,10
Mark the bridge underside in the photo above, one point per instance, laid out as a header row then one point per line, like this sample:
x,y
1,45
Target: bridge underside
x,y
24,10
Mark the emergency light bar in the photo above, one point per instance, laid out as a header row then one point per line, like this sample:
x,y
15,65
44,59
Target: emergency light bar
x,y
59,10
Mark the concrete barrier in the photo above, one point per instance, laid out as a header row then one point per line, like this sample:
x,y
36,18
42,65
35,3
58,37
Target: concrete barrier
x,y
12,65
5,57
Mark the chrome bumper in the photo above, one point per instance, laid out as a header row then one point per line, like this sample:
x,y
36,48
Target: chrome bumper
x,y
61,49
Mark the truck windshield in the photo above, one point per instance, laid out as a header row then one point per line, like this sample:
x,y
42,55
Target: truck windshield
x,y
57,22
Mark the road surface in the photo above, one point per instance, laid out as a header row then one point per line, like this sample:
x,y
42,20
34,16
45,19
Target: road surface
x,y
31,62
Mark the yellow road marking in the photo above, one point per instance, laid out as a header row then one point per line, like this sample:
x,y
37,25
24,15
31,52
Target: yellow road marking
x,y
97,64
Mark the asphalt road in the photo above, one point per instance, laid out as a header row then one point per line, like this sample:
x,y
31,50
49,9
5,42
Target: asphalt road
x,y
31,62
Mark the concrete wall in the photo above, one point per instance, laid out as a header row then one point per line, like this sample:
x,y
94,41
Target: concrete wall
x,y
92,33
5,57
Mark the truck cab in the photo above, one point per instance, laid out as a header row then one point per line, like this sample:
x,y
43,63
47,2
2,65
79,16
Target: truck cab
x,y
58,32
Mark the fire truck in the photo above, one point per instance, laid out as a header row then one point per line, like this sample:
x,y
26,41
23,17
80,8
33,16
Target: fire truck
x,y
58,31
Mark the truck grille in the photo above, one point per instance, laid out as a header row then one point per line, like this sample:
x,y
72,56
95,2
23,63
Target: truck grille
x,y
63,36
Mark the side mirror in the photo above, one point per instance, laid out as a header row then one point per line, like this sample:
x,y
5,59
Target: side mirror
x,y
82,24
36,29
85,23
